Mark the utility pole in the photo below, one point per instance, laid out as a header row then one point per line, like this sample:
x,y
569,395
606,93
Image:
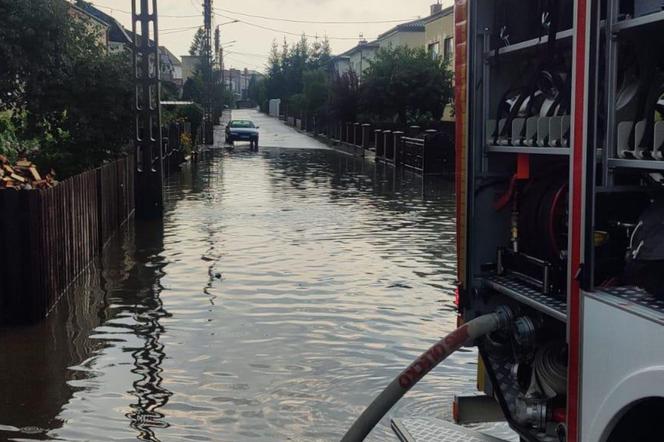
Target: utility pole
x,y
219,54
207,54
221,66
217,42
148,150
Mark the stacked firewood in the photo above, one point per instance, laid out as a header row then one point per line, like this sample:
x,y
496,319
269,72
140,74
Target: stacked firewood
x,y
23,175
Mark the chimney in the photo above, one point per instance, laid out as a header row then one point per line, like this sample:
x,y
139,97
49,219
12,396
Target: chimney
x,y
436,8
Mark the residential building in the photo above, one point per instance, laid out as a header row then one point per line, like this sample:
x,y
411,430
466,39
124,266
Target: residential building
x,y
439,33
409,34
97,27
237,81
340,65
171,67
356,59
190,64
439,40
119,39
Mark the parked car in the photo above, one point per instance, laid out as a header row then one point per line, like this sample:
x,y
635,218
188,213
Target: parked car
x,y
242,130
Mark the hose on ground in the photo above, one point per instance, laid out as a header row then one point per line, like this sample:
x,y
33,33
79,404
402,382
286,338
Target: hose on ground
x,y
465,334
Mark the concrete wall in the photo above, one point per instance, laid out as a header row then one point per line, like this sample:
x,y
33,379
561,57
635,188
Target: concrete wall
x,y
275,106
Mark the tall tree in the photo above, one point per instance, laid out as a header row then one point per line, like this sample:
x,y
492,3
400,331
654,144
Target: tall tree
x,y
61,87
403,83
344,97
197,45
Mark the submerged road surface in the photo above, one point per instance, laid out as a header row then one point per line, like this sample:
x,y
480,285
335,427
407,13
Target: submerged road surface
x,y
281,292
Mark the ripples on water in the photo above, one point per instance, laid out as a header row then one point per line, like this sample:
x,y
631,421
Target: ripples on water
x,y
282,291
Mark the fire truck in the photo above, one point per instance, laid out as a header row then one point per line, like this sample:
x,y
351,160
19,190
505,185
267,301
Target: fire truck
x,y
560,220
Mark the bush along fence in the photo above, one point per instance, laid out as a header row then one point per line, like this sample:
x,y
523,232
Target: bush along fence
x,y
424,151
49,236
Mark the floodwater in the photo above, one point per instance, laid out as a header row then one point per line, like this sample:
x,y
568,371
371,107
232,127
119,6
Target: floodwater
x,y
282,291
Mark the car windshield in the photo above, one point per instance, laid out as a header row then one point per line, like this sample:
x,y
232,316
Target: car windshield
x,y
242,124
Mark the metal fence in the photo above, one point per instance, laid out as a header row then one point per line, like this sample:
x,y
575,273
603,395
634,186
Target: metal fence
x,y
48,237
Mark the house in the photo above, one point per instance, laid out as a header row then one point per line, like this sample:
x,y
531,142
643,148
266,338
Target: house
x,y
97,27
410,34
190,64
439,33
237,81
170,67
356,59
119,39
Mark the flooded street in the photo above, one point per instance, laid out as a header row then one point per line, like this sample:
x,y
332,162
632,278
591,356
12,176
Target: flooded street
x,y
282,291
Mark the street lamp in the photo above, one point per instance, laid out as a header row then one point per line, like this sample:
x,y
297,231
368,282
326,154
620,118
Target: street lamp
x,y
228,23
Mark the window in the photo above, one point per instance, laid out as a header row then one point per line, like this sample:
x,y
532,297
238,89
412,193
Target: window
x,y
242,124
434,50
448,51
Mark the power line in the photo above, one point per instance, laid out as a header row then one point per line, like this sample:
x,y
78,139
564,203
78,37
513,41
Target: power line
x,y
238,59
281,31
248,54
339,22
177,30
112,9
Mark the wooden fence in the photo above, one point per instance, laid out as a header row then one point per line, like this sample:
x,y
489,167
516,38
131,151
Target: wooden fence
x,y
48,237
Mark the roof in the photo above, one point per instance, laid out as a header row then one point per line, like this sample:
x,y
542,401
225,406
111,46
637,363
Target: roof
x,y
117,33
87,13
411,26
442,13
172,58
360,46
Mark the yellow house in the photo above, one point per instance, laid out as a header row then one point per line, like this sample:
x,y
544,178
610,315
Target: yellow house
x,y
439,33
439,40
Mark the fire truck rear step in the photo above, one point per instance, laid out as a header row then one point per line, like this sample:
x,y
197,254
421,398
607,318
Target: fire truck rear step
x,y
425,429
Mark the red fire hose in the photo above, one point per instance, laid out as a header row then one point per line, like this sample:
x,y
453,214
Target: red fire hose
x,y
465,334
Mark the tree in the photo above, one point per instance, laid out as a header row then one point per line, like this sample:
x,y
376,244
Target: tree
x,y
344,96
62,89
315,91
403,83
97,119
194,89
197,45
320,55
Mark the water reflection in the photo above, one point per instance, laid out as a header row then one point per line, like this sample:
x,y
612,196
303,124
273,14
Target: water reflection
x,y
281,292
150,393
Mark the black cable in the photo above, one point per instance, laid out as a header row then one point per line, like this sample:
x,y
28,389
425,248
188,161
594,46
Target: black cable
x,y
266,28
339,22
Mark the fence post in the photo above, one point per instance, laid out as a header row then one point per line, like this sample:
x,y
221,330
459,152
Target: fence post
x,y
414,131
366,136
398,138
379,143
388,141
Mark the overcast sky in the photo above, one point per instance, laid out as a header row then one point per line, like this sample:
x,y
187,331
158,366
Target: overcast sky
x,y
253,43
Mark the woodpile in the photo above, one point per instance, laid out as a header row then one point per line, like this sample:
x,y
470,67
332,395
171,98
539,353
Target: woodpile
x,y
23,176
